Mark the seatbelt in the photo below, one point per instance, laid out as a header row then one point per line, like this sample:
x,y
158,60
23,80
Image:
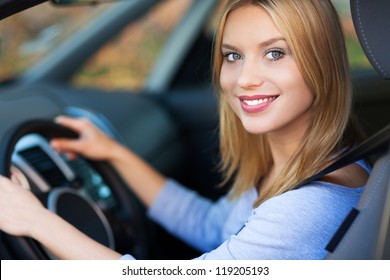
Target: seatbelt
x,y
377,143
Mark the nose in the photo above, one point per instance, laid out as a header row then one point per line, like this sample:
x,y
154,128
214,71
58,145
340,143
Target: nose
x,y
250,75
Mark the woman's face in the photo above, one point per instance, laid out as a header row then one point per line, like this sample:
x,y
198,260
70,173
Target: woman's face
x,y
260,77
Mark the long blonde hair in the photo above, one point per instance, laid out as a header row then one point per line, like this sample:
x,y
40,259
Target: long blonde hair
x,y
313,32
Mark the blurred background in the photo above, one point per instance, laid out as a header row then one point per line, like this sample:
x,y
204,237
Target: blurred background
x,y
125,62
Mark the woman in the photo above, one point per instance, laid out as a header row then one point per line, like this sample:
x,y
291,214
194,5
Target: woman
x,y
281,74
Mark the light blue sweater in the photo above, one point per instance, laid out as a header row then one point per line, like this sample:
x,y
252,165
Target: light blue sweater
x,y
295,225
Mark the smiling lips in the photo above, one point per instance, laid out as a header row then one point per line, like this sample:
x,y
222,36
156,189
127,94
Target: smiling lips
x,y
256,103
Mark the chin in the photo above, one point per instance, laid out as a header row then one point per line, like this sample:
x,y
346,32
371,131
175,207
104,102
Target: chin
x,y
256,129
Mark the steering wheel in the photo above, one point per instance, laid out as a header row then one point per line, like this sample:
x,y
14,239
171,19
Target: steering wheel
x,y
123,229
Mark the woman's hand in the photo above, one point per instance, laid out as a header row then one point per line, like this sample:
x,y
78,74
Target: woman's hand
x,y
92,143
22,214
19,209
142,178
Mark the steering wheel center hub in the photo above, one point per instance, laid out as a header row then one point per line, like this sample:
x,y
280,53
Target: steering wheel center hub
x,y
76,209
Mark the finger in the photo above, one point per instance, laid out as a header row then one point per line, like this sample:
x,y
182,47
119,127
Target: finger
x,y
4,181
75,124
15,178
65,145
71,156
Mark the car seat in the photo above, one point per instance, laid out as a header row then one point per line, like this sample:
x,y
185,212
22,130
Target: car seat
x,y
365,234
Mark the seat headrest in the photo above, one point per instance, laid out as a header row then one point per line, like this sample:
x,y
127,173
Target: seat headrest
x,y
372,23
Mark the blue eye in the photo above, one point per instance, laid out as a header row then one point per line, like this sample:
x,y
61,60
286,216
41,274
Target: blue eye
x,y
275,54
231,56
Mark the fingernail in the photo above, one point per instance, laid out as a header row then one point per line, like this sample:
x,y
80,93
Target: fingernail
x,y
59,118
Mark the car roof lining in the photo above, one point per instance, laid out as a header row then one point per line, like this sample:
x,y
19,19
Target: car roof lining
x,y
10,7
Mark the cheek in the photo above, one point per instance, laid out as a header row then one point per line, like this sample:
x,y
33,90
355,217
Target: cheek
x,y
227,83
303,90
296,85
226,79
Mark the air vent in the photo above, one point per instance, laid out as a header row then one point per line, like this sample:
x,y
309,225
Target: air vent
x,y
44,165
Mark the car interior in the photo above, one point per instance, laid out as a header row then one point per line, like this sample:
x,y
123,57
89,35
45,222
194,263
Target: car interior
x,y
172,122
365,234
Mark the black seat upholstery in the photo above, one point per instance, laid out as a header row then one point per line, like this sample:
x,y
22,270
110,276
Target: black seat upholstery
x,y
368,236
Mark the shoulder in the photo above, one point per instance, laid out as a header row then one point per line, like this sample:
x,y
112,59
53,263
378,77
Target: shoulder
x,y
301,221
317,195
317,207
353,175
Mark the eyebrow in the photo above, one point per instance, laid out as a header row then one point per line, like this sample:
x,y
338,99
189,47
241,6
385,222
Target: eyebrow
x,y
261,45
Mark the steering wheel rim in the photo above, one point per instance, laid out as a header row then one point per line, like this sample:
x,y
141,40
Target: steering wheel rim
x,y
128,220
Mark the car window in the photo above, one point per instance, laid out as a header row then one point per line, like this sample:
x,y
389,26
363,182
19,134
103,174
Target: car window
x,y
30,35
126,61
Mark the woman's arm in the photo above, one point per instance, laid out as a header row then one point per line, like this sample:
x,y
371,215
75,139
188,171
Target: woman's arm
x,y
143,179
22,214
66,242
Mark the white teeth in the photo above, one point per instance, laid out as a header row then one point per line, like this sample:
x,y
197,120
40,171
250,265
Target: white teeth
x,y
258,101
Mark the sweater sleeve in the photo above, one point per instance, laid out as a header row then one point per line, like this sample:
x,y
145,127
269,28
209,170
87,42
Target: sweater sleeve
x,y
189,216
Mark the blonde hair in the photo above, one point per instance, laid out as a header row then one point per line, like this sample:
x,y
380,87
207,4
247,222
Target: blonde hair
x,y
313,32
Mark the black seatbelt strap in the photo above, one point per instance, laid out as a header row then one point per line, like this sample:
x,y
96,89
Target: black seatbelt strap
x,y
342,230
377,143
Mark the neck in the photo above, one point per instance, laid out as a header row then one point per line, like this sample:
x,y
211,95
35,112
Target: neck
x,y
283,146
284,143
